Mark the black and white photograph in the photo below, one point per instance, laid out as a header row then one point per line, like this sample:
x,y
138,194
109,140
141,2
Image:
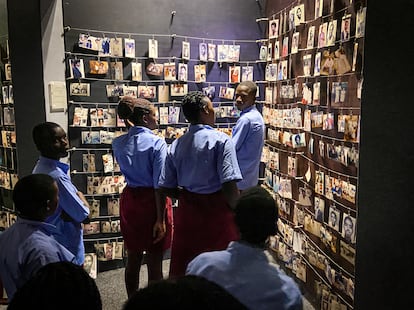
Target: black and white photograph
x,y
305,196
222,52
318,8
8,116
92,228
298,140
94,208
88,161
136,71
323,28
295,43
273,28
211,55
334,218
263,53
182,72
119,250
347,252
202,51
319,209
113,206
233,54
79,89
299,14
105,227
349,228
185,50
346,28
90,264
360,23
8,72
80,117
152,48
311,37
331,34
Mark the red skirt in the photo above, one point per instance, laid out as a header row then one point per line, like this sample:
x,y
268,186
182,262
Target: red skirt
x,y
202,222
138,214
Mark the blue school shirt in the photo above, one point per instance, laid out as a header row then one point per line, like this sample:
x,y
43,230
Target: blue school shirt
x,y
248,138
140,154
69,234
245,272
200,161
25,247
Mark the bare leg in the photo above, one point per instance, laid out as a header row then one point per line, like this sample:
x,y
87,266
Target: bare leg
x,y
154,265
132,270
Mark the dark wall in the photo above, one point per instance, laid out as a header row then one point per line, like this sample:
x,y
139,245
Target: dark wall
x,y
386,215
27,70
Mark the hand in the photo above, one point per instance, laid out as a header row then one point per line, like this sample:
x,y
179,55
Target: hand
x,y
158,232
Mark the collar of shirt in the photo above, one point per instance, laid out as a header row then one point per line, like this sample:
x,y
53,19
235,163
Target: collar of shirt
x,y
57,163
196,127
252,107
138,129
247,250
45,227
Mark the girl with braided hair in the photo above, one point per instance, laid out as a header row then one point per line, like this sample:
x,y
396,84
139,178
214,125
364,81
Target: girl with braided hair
x,y
141,156
201,170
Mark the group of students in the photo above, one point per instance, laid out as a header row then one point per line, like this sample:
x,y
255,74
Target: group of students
x,y
219,228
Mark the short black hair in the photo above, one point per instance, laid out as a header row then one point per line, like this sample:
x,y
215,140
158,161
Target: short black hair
x,y
250,85
43,135
256,215
133,109
192,104
61,285
186,292
32,192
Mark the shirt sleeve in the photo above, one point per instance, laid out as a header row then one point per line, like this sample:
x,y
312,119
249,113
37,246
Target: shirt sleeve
x,y
228,166
69,200
159,161
168,176
240,132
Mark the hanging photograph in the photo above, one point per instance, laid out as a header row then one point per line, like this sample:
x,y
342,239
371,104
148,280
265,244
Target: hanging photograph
x,y
136,71
90,264
346,28
273,28
234,74
117,72
200,73
152,48
129,48
163,93
202,51
77,70
182,72
79,89
331,36
179,90
185,52
211,52
115,47
311,37
247,73
98,67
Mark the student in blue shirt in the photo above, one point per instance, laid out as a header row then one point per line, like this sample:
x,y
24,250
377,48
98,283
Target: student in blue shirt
x,y
243,268
28,244
73,209
248,135
141,155
201,169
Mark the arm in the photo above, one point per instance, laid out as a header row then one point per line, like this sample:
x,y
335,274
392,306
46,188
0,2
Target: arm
x,y
73,203
159,229
231,193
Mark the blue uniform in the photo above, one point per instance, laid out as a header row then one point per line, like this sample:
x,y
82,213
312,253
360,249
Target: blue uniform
x,y
69,234
140,155
245,272
200,161
248,139
25,247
